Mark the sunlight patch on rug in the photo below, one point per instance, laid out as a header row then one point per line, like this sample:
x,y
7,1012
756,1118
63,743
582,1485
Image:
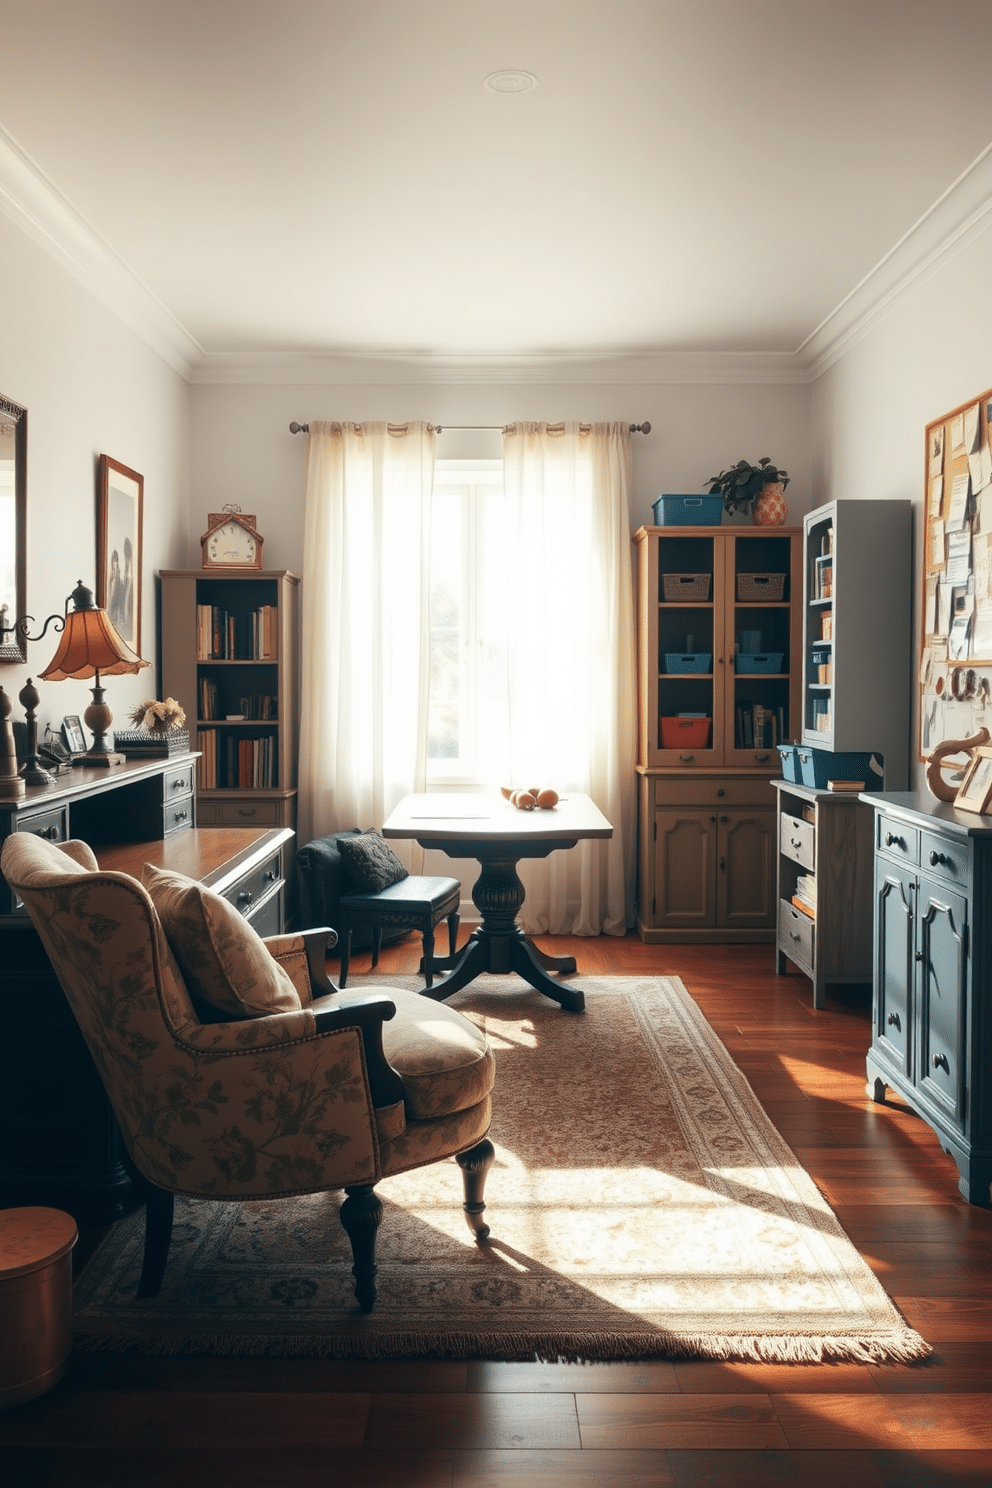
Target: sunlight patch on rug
x,y
641,1204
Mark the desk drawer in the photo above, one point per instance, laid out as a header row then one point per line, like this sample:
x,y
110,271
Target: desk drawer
x,y
53,824
268,917
796,934
797,840
176,783
178,816
246,893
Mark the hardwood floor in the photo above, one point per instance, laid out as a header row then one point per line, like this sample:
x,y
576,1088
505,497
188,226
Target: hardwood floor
x,y
223,1423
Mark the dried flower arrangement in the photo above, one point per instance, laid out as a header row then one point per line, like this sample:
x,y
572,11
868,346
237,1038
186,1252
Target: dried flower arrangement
x,y
158,718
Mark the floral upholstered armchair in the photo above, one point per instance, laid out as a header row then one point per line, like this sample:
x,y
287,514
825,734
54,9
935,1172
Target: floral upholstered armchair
x,y
235,1069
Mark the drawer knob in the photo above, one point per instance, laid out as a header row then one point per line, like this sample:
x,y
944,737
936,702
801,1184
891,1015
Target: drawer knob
x,y
686,758
893,841
180,816
51,834
761,758
270,877
918,956
893,1020
939,1061
246,811
246,897
936,857
712,818
794,936
721,791
796,841
179,785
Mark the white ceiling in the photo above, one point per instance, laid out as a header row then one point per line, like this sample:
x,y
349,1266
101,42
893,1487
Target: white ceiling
x,y
332,176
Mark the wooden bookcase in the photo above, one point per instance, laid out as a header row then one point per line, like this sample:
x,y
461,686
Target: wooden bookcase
x,y
221,657
719,629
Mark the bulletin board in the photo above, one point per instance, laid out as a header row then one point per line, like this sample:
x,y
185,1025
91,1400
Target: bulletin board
x,y
956,648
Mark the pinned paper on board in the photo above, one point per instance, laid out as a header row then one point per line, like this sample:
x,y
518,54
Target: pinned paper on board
x,y
960,491
955,673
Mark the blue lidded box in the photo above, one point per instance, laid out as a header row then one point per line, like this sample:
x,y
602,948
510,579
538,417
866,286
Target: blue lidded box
x,y
688,511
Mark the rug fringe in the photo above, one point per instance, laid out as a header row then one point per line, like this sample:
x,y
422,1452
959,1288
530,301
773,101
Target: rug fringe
x,y
905,1347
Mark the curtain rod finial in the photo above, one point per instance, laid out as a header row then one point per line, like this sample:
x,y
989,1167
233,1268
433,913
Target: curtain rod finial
x,y
296,428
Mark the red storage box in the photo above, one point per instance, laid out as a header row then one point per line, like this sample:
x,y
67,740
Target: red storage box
x,y
685,733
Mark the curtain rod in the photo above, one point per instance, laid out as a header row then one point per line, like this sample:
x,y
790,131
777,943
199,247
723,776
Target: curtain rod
x,y
644,428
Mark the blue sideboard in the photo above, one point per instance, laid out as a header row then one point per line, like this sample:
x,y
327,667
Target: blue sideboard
x,y
932,952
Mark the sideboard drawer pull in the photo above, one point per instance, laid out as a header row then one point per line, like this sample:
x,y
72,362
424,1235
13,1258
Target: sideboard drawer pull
x,y
893,1021
892,841
51,834
939,1061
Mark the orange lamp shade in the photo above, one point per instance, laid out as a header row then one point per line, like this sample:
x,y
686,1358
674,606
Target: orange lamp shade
x,y
90,644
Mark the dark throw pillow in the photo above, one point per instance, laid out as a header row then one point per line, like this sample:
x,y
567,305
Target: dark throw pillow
x,y
370,863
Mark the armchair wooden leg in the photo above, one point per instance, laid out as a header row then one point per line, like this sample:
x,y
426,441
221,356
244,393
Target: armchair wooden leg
x,y
159,1209
475,1165
361,1215
376,943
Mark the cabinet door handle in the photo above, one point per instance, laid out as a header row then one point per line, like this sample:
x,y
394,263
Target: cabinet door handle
x,y
939,1061
794,936
721,791
891,841
723,865
936,857
724,818
893,1021
761,758
712,818
796,841
918,956
686,758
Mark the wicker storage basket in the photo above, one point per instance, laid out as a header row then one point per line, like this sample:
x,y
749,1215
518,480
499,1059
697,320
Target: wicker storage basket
x,y
686,586
768,587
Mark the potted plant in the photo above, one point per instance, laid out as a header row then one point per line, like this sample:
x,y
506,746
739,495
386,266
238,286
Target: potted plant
x,y
756,488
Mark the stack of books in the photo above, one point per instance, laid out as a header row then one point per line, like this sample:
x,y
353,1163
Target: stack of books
x,y
805,896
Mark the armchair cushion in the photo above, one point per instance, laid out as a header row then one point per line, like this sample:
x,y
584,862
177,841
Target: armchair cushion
x,y
370,862
224,961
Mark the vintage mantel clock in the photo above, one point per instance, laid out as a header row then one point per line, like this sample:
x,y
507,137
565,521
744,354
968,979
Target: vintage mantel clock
x,y
231,540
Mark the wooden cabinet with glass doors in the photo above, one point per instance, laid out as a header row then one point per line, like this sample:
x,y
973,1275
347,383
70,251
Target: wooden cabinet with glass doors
x,y
719,646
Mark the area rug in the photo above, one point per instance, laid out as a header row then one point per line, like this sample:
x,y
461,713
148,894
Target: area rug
x,y
641,1203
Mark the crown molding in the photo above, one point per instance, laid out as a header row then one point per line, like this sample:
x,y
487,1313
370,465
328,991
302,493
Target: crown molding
x,y
956,219
604,368
32,201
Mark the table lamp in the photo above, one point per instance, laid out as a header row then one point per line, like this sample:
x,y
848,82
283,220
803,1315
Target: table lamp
x,y
90,645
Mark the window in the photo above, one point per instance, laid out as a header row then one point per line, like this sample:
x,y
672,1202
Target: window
x,y
468,635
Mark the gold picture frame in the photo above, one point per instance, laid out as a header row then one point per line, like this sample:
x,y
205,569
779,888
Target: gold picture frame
x,y
975,791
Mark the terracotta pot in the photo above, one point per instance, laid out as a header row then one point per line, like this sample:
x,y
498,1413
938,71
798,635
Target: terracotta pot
x,y
770,509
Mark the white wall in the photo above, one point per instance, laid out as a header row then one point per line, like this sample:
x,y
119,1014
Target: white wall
x,y
242,450
90,386
929,353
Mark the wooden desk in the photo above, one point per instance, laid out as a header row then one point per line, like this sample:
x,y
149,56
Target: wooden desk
x,y
487,827
59,1142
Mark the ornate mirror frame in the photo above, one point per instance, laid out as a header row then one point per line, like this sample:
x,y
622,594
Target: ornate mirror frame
x,y
13,529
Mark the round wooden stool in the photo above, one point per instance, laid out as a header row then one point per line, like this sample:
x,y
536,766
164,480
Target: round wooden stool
x,y
35,1301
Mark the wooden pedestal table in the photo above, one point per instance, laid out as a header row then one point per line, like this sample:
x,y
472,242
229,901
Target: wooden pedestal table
x,y
489,828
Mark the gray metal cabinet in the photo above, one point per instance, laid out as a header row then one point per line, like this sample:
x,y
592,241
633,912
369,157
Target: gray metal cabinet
x,y
931,1024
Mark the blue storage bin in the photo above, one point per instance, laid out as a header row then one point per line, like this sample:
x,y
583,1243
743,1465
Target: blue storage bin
x,y
790,762
820,765
688,511
751,661
698,661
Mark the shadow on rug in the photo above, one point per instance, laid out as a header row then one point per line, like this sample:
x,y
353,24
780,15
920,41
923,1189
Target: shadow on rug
x,y
641,1203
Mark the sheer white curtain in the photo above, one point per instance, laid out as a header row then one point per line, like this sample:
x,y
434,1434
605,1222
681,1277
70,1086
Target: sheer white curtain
x,y
365,644
569,718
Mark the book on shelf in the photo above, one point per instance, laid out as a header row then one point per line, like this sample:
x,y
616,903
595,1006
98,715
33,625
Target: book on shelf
x,y
804,897
221,636
845,785
803,905
758,727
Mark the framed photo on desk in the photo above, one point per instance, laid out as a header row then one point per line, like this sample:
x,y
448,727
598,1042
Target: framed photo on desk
x,y
975,793
72,734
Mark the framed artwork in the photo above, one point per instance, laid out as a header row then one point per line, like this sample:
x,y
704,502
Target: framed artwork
x,y
975,792
72,733
118,559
